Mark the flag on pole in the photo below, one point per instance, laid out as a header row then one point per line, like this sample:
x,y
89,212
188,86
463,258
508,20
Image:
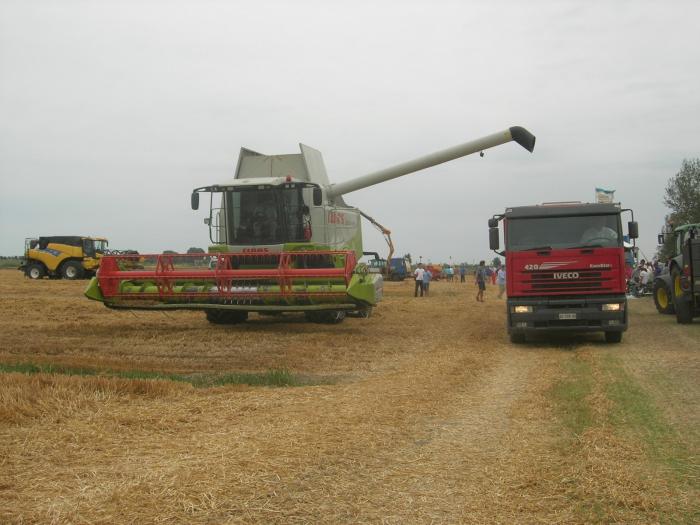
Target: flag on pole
x,y
604,196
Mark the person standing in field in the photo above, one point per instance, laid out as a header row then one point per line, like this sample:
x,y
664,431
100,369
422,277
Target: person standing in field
x,y
462,273
501,281
418,276
481,280
427,277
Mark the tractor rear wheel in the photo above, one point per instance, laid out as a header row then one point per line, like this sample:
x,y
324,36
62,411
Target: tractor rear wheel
x,y
35,271
226,316
72,270
684,308
663,298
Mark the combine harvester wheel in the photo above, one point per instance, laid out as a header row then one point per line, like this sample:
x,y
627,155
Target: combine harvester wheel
x,y
226,316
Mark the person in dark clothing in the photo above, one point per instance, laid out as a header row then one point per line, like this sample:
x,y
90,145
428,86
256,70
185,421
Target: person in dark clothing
x,y
481,280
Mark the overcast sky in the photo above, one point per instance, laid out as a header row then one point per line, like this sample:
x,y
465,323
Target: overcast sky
x,y
111,112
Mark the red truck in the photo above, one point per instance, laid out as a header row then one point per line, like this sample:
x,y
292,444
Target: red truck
x,y
565,268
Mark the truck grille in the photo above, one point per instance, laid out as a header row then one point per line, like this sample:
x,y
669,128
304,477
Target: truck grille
x,y
543,282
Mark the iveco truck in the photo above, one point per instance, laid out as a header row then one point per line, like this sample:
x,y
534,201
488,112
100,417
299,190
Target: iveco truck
x,y
565,268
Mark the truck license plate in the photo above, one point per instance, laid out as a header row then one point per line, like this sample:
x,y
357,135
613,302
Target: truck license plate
x,y
567,316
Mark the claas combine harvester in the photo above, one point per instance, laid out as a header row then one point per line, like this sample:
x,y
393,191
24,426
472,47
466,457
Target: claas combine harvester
x,y
284,240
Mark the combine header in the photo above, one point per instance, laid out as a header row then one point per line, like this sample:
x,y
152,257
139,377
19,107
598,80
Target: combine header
x,y
283,239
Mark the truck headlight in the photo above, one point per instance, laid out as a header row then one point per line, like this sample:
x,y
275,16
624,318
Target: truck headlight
x,y
612,307
522,309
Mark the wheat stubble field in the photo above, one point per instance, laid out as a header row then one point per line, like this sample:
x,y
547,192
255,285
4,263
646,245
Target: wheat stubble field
x,y
424,413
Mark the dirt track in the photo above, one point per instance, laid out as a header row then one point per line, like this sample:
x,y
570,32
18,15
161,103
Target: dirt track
x,y
423,413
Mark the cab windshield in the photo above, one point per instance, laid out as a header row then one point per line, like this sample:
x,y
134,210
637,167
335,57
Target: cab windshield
x,y
551,233
263,215
100,245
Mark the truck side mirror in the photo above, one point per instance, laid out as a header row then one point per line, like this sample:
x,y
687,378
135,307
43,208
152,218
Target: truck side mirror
x,y
660,239
195,200
318,197
633,229
493,223
493,238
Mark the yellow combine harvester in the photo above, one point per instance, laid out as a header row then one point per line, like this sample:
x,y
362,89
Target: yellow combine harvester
x,y
67,256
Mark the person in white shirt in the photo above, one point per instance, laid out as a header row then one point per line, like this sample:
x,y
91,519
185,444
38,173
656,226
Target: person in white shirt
x,y
418,275
644,276
501,280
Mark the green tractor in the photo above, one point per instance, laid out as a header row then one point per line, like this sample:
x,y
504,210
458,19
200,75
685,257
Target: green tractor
x,y
677,288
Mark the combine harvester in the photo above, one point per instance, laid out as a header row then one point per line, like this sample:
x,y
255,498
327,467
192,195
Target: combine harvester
x,y
284,240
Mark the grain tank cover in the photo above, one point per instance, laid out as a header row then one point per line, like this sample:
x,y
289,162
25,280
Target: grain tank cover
x,y
306,166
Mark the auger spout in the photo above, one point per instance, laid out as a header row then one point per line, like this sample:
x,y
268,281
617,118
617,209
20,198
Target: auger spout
x,y
515,133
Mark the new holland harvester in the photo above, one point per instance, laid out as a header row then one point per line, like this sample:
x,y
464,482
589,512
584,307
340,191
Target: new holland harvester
x,y
284,240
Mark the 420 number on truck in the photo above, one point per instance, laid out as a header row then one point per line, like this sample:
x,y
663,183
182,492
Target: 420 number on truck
x,y
566,268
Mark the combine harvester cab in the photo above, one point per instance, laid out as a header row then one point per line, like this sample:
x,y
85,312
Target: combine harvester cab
x,y
283,239
62,256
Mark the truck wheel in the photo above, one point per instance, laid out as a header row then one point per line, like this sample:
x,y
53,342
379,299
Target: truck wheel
x,y
72,270
613,337
517,338
34,271
222,316
684,308
663,299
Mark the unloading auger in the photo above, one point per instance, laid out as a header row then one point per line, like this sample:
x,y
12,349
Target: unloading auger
x,y
283,239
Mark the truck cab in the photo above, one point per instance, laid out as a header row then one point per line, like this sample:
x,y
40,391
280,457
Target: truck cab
x,y
565,268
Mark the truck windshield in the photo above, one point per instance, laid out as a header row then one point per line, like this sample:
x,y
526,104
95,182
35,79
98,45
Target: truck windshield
x,y
582,231
267,215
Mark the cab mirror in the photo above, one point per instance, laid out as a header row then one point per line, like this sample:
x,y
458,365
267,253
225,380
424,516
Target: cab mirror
x,y
195,200
493,223
633,229
494,238
318,197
